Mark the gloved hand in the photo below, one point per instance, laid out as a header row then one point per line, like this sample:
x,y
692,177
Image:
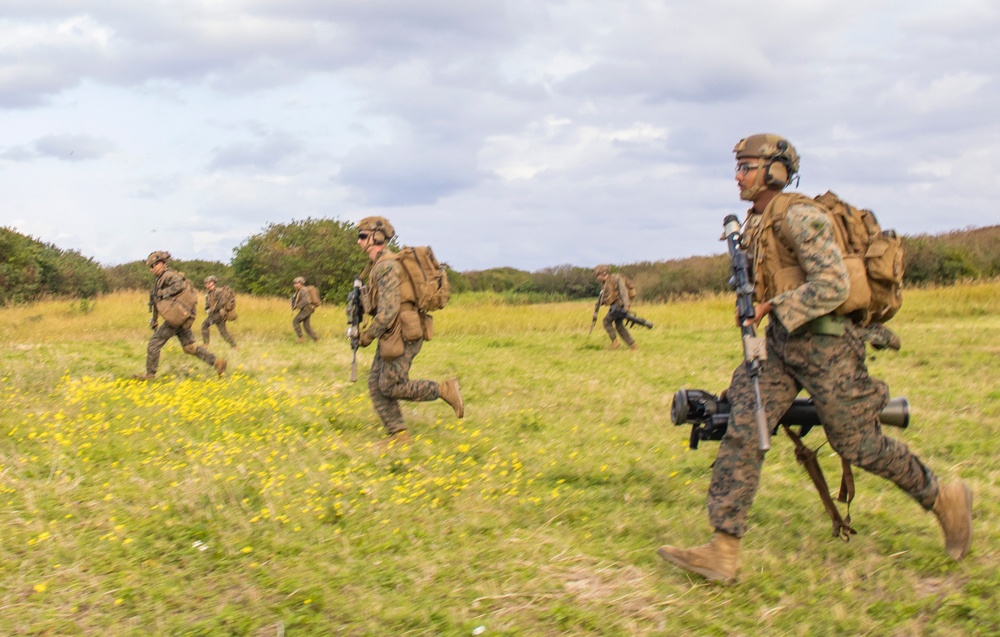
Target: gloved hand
x,y
366,338
153,324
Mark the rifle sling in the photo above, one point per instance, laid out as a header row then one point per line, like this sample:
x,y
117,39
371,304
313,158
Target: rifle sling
x,y
807,458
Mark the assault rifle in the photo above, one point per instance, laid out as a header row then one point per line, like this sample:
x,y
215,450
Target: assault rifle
x,y
597,308
355,311
708,414
754,349
631,319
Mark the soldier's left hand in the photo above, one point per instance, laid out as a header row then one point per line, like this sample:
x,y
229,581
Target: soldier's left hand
x,y
366,338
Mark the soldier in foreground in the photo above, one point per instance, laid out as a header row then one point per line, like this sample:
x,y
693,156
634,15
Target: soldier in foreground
x,y
808,347
390,299
175,300
302,302
615,295
217,309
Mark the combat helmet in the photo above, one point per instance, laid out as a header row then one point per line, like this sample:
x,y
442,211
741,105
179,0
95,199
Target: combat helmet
x,y
379,227
602,269
210,279
781,159
299,279
156,257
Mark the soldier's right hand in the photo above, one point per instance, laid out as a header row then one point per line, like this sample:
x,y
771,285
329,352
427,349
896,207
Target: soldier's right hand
x,y
152,324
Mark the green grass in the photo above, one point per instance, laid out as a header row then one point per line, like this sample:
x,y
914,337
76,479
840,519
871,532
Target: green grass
x,y
262,504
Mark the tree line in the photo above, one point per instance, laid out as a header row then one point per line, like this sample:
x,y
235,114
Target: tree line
x,y
325,252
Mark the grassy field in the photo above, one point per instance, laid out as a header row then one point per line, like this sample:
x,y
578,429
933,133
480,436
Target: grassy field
x,y
262,504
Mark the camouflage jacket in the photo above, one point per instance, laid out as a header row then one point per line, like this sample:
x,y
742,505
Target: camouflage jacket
x,y
803,241
615,292
300,299
169,284
383,284
215,302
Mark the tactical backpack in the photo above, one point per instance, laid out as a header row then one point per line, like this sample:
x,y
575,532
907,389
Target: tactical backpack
x,y
630,286
228,299
314,298
882,251
429,278
873,257
181,307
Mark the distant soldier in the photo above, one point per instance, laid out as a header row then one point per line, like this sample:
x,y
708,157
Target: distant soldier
x,y
305,299
174,299
220,306
615,294
400,330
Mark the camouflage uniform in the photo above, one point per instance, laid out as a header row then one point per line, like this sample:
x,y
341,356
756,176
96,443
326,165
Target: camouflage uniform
x,y
830,367
300,302
389,379
216,314
615,295
170,284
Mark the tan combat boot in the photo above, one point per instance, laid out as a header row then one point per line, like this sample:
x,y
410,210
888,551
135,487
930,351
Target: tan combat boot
x,y
614,345
146,377
717,560
953,509
449,392
220,365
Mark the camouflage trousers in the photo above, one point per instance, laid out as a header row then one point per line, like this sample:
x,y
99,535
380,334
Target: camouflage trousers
x,y
217,321
832,370
389,382
184,334
301,321
611,324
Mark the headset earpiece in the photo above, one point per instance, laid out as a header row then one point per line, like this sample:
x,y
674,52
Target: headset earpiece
x,y
776,174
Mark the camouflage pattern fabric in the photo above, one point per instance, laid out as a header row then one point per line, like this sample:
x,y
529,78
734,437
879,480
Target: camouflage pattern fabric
x,y
613,323
300,299
169,284
830,368
184,334
389,382
827,283
216,315
615,291
301,321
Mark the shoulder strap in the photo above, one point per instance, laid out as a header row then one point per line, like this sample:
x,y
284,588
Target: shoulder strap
x,y
807,458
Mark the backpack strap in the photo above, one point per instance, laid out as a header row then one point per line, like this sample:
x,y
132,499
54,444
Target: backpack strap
x,y
807,458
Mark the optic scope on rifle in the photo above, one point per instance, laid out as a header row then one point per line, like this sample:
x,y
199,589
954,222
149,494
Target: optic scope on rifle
x,y
708,414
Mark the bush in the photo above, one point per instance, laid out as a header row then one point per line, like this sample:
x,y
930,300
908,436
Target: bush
x,y
31,269
324,251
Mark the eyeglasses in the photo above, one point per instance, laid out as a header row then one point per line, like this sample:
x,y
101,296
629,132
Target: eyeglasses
x,y
362,236
743,168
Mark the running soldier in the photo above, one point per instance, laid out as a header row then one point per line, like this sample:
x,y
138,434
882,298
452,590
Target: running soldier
x,y
173,298
219,306
306,305
615,294
809,347
390,299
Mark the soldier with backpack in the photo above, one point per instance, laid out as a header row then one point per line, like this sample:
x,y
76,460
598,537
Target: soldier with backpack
x,y
617,293
175,300
398,306
305,299
804,285
220,308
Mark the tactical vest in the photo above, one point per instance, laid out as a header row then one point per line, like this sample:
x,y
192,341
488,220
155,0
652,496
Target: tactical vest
x,y
612,295
776,267
407,297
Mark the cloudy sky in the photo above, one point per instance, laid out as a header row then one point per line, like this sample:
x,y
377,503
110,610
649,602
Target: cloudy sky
x,y
524,133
